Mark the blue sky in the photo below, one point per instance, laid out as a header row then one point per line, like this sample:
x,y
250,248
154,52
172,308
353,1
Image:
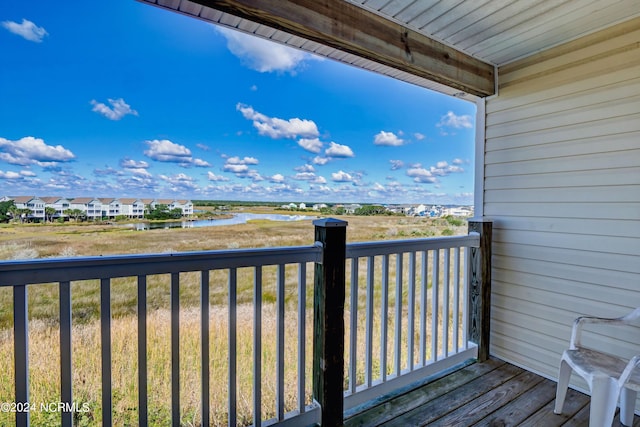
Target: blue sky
x,y
121,99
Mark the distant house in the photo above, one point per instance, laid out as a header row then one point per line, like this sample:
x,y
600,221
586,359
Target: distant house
x,y
148,205
35,204
110,207
435,211
458,211
185,205
153,204
319,206
60,204
302,206
132,208
91,206
351,208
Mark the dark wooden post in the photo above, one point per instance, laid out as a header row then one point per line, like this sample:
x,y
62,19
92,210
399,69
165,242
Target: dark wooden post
x,y
328,320
480,287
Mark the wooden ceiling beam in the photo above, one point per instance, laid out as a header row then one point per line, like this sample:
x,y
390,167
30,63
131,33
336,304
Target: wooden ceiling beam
x,y
352,29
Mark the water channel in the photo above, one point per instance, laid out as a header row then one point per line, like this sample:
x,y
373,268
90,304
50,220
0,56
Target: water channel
x,y
238,218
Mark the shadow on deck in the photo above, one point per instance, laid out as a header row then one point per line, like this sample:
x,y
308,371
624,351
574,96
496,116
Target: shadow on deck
x,y
492,393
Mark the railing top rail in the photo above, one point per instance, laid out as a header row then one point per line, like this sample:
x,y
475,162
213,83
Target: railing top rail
x,y
363,249
23,272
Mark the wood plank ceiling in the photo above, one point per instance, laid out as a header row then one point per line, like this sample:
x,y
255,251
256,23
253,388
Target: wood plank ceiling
x,y
492,33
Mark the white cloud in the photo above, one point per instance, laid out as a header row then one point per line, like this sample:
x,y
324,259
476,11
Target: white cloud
x,y
313,145
341,176
418,136
140,172
170,152
443,169
27,29
240,167
199,163
396,164
421,175
320,160
10,175
305,176
244,161
338,150
218,178
387,138
235,168
263,55
118,109
305,168
179,182
279,128
132,164
277,178
30,151
450,120
167,151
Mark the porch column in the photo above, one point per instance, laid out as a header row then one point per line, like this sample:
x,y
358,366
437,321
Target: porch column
x,y
328,320
480,287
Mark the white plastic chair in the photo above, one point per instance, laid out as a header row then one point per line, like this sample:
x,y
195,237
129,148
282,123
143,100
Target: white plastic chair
x,y
609,377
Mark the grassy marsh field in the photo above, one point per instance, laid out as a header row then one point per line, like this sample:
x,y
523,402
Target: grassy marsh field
x,y
45,240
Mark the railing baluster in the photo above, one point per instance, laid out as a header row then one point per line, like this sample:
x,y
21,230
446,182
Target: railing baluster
x,y
435,284
456,299
384,318
65,352
411,313
445,302
398,323
233,297
302,340
143,412
280,343
21,350
368,364
465,300
204,346
424,286
353,328
257,346
105,343
175,349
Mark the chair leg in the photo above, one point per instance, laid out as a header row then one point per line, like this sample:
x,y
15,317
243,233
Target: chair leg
x,y
561,388
604,401
627,406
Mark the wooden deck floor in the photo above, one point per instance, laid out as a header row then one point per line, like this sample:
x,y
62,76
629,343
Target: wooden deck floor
x,y
492,393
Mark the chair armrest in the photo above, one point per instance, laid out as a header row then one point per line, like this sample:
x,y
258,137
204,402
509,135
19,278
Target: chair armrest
x,y
578,323
628,370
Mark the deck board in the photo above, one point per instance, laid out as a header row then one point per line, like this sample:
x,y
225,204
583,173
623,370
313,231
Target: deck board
x,y
488,394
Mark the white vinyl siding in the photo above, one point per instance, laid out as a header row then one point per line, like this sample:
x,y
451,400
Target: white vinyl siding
x,y
562,184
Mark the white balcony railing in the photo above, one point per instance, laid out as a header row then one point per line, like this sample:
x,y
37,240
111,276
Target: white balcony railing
x,y
418,287
427,310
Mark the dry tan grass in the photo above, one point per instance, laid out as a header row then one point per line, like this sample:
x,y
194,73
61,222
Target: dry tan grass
x,y
45,371
52,240
55,240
